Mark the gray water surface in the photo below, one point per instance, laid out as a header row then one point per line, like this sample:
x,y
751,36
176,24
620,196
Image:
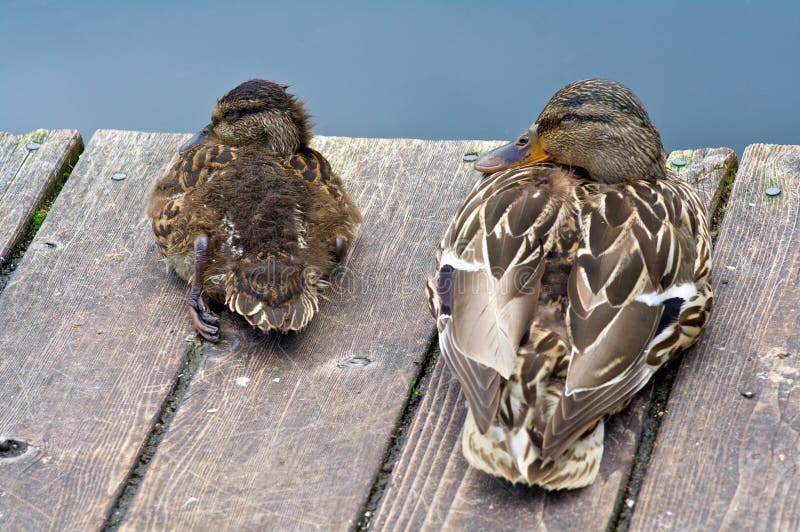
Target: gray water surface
x,y
720,73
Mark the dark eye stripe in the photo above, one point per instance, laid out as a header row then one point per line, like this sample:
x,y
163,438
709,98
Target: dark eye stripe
x,y
550,123
240,112
252,110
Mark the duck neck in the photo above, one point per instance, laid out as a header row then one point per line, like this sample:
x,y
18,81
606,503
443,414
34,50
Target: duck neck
x,y
267,145
658,168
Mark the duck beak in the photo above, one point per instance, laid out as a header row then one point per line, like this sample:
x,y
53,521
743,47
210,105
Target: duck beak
x,y
513,154
201,137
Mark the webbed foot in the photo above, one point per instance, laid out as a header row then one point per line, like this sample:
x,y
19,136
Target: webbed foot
x,y
206,322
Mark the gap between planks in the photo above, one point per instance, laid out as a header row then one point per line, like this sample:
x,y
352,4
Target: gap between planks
x,y
418,389
82,381
728,457
48,167
166,414
664,379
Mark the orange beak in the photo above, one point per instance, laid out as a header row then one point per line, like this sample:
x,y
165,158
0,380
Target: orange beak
x,y
513,154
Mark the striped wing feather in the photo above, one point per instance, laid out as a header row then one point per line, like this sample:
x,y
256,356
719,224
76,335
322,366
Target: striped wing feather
x,y
191,170
637,243
312,167
490,276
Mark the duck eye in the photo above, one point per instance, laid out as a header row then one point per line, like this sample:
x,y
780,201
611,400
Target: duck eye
x,y
232,114
569,116
523,140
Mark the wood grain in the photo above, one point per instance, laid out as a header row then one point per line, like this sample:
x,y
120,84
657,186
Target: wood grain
x,y
706,169
724,461
432,486
285,432
26,176
87,353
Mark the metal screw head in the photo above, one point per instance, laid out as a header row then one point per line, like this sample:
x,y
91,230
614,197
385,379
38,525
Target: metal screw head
x,y
33,146
772,191
118,176
470,157
678,161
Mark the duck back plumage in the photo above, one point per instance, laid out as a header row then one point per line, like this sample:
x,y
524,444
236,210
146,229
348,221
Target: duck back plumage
x,y
556,299
271,222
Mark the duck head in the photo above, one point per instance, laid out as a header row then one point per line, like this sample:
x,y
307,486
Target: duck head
x,y
594,124
257,112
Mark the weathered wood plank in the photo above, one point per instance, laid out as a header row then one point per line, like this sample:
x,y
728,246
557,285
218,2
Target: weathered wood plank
x,y
433,487
723,460
91,341
706,169
290,432
26,176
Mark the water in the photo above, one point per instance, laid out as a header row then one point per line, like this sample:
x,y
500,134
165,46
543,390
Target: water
x,y
724,73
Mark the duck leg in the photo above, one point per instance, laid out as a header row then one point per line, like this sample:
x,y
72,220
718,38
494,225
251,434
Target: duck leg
x,y
339,248
205,321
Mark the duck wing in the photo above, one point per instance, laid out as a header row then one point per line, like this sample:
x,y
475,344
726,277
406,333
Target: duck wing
x,y
313,168
190,171
489,278
633,271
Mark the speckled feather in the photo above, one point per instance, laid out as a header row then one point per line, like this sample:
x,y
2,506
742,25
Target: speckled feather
x,y
559,295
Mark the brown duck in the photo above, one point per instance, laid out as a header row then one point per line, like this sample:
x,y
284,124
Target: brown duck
x,y
251,215
570,274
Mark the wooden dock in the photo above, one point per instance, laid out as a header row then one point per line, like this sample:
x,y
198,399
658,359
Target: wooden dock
x,y
115,415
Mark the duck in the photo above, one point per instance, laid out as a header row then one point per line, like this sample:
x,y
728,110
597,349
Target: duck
x,y
577,266
250,215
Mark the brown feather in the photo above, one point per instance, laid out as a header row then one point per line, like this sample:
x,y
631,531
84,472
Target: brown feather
x,y
272,208
579,282
496,304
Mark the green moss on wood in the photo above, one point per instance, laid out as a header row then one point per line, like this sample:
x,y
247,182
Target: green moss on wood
x,y
38,218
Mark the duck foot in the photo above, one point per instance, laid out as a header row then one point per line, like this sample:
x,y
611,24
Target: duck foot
x,y
206,322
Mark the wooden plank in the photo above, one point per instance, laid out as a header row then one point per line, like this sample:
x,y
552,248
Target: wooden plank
x,y
433,487
26,177
726,459
91,341
290,432
706,169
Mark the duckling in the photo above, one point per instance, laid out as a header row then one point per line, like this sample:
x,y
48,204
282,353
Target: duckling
x,y
577,267
250,215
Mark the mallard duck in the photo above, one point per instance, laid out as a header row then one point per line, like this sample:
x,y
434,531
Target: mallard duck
x,y
251,215
573,271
